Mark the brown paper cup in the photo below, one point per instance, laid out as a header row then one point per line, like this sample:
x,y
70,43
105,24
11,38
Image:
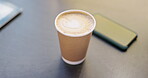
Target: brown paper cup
x,y
74,47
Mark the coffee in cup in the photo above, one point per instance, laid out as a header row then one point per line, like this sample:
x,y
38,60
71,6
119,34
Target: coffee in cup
x,y
74,29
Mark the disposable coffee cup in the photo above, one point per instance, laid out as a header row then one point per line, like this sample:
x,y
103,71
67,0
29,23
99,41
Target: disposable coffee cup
x,y
74,29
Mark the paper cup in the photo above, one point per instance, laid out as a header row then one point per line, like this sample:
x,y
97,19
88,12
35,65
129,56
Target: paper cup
x,y
74,47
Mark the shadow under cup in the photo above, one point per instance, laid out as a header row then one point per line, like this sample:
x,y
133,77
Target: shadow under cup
x,y
74,47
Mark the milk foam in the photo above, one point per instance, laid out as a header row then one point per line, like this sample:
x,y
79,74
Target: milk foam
x,y
75,23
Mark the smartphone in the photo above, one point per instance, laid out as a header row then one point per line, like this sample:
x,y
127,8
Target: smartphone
x,y
7,12
114,33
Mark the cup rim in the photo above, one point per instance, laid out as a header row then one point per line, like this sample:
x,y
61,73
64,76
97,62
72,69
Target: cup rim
x,y
78,35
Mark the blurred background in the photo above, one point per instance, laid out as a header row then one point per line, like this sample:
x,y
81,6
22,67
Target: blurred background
x,y
130,13
29,46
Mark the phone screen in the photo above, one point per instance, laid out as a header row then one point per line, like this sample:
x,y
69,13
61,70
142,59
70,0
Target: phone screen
x,y
4,11
7,12
114,32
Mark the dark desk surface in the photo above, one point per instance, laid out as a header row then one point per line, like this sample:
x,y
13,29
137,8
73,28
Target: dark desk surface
x,y
29,45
